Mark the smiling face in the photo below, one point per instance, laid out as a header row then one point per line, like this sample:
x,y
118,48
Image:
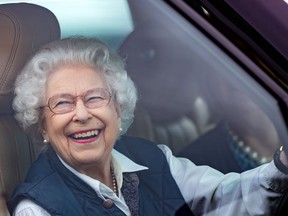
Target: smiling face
x,y
84,137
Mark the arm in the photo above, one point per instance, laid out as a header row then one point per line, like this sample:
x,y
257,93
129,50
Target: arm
x,y
209,192
28,208
283,158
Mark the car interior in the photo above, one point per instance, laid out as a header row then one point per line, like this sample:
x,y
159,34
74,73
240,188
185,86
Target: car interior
x,y
182,87
180,83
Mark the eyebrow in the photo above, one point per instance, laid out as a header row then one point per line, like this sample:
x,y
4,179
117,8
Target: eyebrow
x,y
92,89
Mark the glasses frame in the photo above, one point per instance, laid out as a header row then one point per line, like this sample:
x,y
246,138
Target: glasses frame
x,y
75,99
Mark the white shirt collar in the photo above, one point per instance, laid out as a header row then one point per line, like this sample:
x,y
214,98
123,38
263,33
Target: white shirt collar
x,y
124,163
121,163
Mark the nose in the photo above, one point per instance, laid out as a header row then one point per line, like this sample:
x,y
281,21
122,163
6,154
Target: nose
x,y
82,113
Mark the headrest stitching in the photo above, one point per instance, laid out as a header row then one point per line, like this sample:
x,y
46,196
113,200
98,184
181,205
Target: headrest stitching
x,y
11,58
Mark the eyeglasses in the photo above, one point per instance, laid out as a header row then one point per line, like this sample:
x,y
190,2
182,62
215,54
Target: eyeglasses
x,y
64,103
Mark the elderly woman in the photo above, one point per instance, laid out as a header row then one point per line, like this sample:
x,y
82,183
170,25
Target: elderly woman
x,y
78,94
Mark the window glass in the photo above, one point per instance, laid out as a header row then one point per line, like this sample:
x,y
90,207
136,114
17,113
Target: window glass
x,y
195,98
192,96
109,20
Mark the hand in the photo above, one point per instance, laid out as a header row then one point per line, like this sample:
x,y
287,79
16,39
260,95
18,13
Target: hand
x,y
283,157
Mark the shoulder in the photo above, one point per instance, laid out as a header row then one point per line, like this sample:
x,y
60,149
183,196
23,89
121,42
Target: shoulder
x,y
130,140
140,150
41,167
127,144
43,183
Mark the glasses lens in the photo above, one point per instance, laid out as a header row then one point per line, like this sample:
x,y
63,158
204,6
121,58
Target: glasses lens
x,y
97,98
65,103
62,103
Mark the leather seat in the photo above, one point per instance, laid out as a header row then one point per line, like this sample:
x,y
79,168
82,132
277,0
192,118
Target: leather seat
x,y
24,28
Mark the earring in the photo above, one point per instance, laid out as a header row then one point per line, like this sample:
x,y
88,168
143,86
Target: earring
x,y
45,141
120,129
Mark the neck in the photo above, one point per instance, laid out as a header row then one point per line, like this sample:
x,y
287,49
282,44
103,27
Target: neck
x,y
98,171
105,176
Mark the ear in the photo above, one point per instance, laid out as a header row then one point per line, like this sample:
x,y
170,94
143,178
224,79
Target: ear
x,y
43,128
120,125
118,110
44,134
119,122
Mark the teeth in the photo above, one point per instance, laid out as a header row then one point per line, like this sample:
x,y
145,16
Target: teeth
x,y
86,134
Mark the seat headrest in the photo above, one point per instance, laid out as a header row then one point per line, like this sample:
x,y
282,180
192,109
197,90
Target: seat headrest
x,y
24,29
160,63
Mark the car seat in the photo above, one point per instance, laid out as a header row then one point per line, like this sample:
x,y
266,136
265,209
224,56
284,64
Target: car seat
x,y
24,28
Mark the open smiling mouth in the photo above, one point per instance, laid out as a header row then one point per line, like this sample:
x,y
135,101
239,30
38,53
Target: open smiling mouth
x,y
85,135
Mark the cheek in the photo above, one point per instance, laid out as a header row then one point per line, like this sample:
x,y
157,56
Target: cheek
x,y
116,108
48,121
54,125
114,122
